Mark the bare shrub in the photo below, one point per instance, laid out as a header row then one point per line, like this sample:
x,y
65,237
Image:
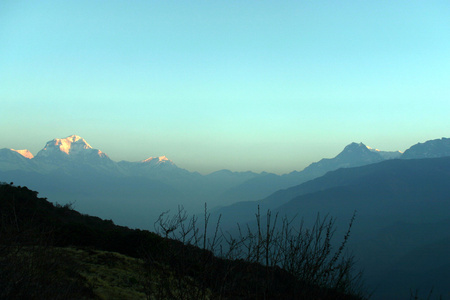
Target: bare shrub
x,y
262,255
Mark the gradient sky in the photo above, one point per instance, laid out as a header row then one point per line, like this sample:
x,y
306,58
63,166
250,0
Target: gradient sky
x,y
243,85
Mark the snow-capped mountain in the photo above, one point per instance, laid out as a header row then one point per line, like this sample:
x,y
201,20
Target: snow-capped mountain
x,y
70,169
11,159
429,149
12,155
71,160
70,148
25,153
73,155
153,167
151,162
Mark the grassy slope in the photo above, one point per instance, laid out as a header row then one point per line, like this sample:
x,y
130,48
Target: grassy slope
x,y
110,275
98,259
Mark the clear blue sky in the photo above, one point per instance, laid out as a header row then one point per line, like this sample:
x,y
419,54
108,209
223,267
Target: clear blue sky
x,y
242,85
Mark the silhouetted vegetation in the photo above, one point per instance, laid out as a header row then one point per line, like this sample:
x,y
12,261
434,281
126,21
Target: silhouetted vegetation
x,y
181,262
267,262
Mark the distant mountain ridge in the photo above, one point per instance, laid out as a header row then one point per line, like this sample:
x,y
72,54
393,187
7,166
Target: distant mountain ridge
x,y
63,153
71,170
74,155
402,215
312,178
75,148
405,196
72,161
429,149
397,196
353,155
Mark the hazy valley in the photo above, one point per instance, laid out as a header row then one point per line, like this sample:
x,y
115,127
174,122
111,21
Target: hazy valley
x,y
400,237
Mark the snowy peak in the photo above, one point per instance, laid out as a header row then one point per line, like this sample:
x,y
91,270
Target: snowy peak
x,y
74,155
73,148
158,162
159,167
73,143
159,159
7,154
11,159
25,153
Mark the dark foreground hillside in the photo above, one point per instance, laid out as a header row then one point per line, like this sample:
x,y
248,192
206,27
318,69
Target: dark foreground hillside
x,y
53,252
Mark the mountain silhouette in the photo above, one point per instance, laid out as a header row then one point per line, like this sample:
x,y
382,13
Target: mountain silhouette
x,y
429,149
353,155
395,200
70,169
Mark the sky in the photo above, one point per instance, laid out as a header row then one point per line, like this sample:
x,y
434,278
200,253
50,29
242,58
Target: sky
x,y
240,85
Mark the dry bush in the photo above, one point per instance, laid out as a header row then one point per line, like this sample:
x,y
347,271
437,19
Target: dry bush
x,y
269,259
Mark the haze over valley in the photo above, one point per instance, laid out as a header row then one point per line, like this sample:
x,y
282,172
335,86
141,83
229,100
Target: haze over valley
x,y
70,167
400,195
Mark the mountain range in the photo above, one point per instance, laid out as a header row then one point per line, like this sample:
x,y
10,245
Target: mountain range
x,y
70,169
401,233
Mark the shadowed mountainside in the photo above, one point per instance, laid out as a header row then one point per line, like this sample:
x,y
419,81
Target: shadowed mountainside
x,y
403,208
33,264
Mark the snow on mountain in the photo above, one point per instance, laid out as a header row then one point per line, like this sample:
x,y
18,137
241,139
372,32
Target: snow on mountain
x,y
11,159
387,154
157,160
159,167
149,163
25,153
10,154
429,149
73,155
72,146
